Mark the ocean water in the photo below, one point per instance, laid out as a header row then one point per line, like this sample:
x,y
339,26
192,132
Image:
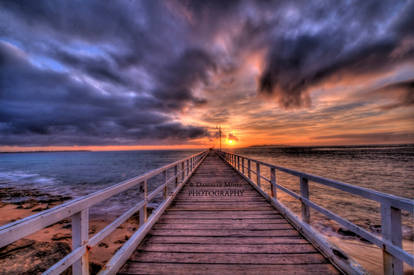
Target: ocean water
x,y
388,169
80,173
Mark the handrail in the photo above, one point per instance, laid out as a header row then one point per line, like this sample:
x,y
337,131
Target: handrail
x,y
391,206
78,209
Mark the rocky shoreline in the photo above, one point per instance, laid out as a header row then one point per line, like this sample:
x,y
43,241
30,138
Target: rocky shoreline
x,y
36,253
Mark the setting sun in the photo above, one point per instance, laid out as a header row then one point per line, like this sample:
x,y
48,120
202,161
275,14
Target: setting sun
x,y
230,141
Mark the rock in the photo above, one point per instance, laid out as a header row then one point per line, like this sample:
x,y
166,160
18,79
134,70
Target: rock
x,y
346,232
61,236
94,268
375,228
41,208
67,226
32,257
20,244
103,245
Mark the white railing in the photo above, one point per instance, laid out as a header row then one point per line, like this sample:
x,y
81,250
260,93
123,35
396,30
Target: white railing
x,y
391,206
78,210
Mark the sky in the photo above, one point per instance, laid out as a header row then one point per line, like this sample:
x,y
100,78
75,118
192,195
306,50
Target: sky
x,y
107,75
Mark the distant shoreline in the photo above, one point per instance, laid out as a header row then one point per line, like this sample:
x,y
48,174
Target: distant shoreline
x,y
59,151
330,146
286,146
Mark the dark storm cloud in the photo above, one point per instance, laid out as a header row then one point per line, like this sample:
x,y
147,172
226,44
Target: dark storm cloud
x,y
121,72
401,92
74,113
359,40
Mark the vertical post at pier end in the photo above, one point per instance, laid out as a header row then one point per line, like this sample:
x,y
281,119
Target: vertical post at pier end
x,y
80,228
304,192
391,231
258,174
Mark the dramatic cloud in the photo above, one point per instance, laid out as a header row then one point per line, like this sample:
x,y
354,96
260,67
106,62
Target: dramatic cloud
x,y
230,136
167,72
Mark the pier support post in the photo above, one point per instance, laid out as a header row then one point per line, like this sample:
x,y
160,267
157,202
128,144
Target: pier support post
x,y
304,192
273,182
391,231
249,174
258,174
80,228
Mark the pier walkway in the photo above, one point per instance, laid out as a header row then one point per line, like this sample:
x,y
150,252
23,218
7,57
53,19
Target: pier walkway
x,y
219,224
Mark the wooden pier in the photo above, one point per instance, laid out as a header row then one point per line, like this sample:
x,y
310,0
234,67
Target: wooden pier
x,y
215,217
219,224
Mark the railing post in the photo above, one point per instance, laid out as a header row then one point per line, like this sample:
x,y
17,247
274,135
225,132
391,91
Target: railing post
x,y
165,193
249,174
182,171
391,231
258,174
238,163
242,165
80,228
188,167
273,182
304,192
176,175
143,215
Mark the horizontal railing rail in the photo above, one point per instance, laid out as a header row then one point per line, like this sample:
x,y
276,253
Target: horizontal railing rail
x,y
78,210
391,242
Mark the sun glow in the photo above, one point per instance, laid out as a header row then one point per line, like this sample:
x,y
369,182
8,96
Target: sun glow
x,y
230,141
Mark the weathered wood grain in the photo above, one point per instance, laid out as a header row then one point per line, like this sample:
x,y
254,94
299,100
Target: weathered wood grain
x,y
237,232
225,269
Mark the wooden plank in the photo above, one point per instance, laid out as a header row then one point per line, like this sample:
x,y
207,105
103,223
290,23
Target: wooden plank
x,y
220,207
229,248
220,221
228,258
225,232
222,216
224,269
226,240
233,226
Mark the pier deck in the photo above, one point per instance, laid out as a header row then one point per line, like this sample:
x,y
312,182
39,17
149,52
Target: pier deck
x,y
219,224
